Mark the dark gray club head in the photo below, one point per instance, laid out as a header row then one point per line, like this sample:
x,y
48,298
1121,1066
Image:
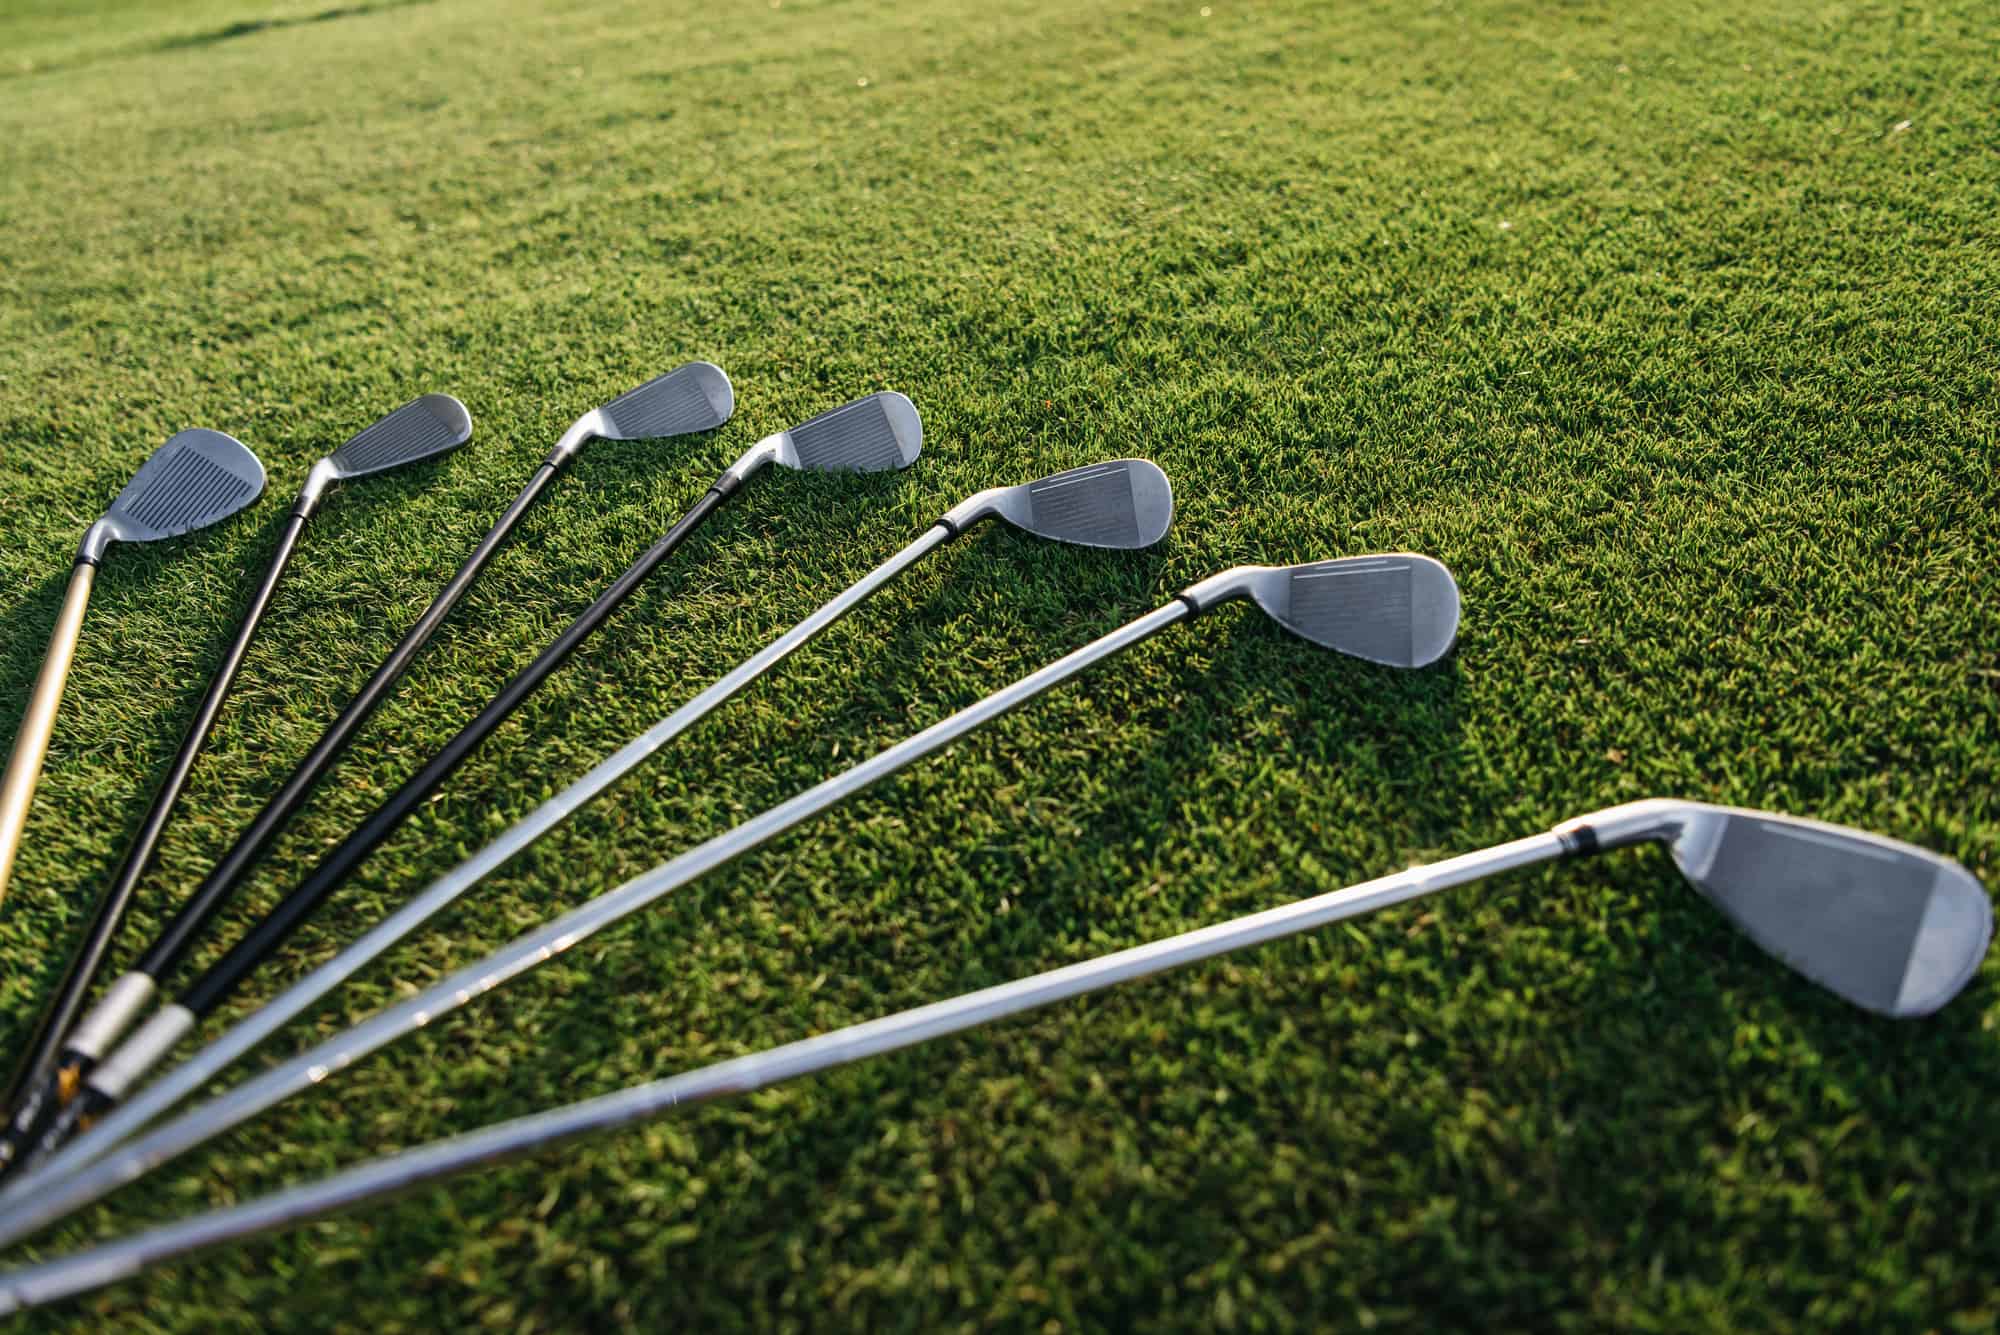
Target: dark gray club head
x,y
687,399
1122,504
1398,609
196,478
419,429
1890,927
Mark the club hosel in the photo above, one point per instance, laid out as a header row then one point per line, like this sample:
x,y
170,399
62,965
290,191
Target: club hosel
x,y
1220,588
583,429
974,509
117,1075
111,1016
766,451
1621,826
96,538
322,475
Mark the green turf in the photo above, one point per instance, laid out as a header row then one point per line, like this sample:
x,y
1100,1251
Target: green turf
x,y
1669,328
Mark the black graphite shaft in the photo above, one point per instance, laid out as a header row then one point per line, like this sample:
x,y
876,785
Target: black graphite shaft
x,y
264,939
111,908
181,933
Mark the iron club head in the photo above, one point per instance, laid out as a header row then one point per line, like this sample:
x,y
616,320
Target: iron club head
x,y
1123,504
687,399
868,435
1890,927
423,427
196,478
1399,609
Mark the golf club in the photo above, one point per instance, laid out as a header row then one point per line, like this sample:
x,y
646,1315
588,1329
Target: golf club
x,y
690,398
1126,503
1890,927
1400,610
418,430
196,478
881,431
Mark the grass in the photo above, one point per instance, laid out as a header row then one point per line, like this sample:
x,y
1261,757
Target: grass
x,y
1669,328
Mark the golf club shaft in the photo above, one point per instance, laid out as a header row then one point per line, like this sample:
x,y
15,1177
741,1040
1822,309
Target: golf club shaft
x,y
32,1075
213,1119
220,980
508,1140
101,1026
38,723
312,1067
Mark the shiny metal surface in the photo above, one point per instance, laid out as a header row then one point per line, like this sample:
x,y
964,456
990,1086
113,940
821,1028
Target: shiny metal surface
x,y
693,397
196,478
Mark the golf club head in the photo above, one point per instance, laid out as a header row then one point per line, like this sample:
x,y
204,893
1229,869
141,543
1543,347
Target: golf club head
x,y
419,429
1398,609
1123,504
687,399
196,478
1890,927
868,435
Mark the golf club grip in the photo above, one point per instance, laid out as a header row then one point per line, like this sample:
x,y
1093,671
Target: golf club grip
x,y
83,966
38,722
179,934
262,940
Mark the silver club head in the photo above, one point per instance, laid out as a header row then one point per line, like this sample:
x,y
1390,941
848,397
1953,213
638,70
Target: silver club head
x,y
1123,504
196,478
869,435
1890,927
687,399
419,429
1399,609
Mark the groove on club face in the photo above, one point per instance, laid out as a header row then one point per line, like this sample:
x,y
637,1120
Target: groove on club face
x,y
690,398
1400,610
1888,926
871,435
196,478
1123,505
420,428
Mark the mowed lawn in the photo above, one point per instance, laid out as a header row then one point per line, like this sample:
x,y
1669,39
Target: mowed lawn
x,y
1670,328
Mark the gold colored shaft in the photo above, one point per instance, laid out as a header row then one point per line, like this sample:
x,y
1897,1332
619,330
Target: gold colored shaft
x,y
24,767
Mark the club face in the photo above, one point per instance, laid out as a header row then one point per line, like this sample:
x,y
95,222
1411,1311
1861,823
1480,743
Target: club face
x,y
690,398
1888,926
1398,609
869,435
419,429
1122,505
196,478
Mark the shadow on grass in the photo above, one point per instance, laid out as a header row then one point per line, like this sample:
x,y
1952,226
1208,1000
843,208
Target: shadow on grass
x,y
251,27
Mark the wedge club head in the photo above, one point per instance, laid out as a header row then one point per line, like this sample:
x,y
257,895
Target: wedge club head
x,y
1123,504
196,478
1398,609
1888,926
